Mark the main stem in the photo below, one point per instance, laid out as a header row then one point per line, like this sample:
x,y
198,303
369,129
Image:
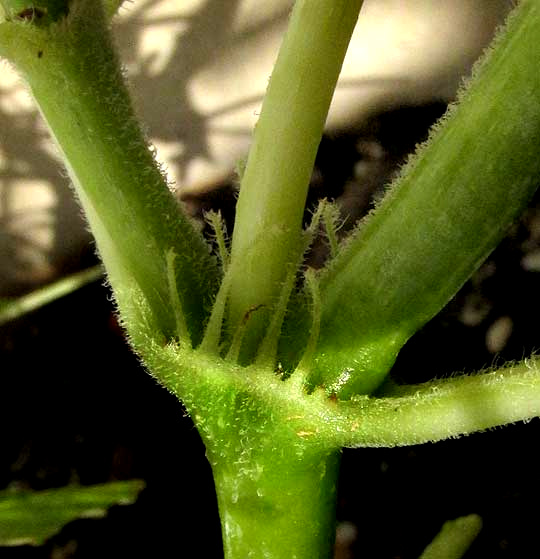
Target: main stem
x,y
276,484
278,509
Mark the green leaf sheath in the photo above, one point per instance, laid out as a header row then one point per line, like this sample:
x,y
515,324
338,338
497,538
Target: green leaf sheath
x,y
442,217
267,233
74,75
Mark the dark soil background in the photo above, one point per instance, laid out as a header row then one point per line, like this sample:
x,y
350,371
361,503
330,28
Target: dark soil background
x,y
78,407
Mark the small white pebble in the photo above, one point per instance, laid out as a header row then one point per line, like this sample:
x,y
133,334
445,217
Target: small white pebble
x,y
498,334
531,261
475,310
346,534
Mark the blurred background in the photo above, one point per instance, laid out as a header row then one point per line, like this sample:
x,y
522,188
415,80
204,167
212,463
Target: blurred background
x,y
76,405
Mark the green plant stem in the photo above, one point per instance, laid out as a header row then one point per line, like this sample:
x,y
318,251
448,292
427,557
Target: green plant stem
x,y
274,448
267,232
441,409
410,415
276,499
449,209
275,481
74,75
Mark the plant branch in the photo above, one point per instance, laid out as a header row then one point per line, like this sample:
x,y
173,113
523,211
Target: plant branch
x,y
267,233
74,75
447,211
442,409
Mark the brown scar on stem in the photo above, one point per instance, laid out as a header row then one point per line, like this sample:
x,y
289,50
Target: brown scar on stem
x,y
250,311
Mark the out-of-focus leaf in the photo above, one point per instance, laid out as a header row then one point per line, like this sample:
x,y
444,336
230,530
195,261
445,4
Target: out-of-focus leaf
x,y
455,537
12,308
31,517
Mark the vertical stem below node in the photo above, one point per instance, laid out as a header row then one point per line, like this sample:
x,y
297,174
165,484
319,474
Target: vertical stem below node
x,y
279,505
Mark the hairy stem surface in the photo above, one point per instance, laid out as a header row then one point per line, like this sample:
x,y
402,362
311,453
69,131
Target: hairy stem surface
x,y
73,73
267,232
449,209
